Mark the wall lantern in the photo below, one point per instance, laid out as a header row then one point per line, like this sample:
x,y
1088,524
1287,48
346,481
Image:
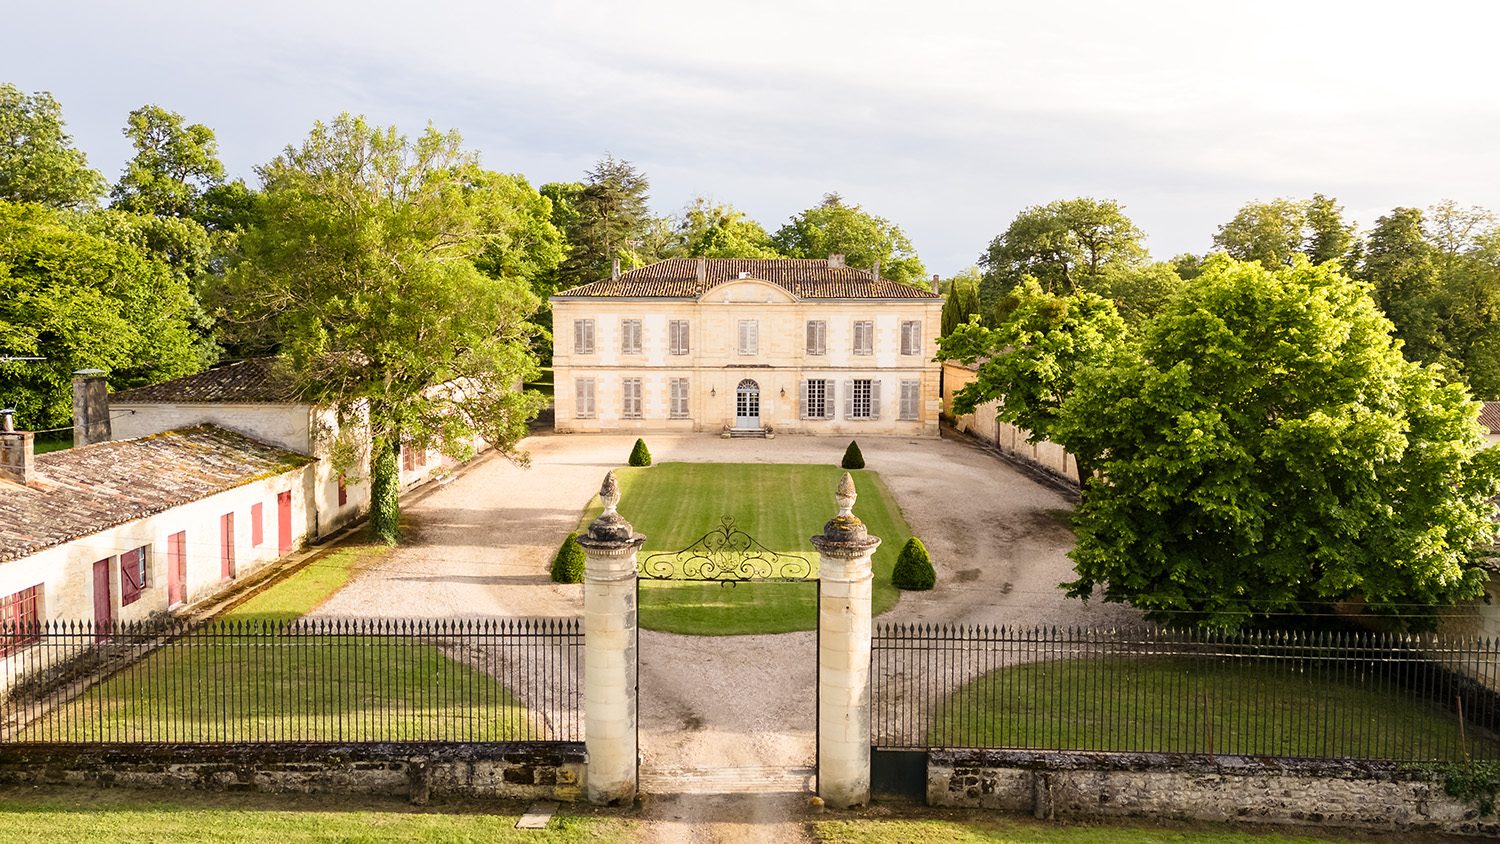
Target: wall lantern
x,y
711,392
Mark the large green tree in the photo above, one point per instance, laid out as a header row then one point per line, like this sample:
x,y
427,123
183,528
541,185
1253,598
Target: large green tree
x,y
362,274
38,162
79,298
174,165
961,300
1271,451
718,230
607,219
834,226
1275,232
1065,245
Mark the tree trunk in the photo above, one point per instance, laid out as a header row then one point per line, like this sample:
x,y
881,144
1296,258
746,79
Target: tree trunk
x,y
1084,473
385,490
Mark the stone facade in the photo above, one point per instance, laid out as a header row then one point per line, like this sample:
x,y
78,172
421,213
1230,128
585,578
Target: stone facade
x,y
1229,789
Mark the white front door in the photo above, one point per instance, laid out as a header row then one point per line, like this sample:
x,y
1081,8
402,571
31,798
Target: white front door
x,y
747,405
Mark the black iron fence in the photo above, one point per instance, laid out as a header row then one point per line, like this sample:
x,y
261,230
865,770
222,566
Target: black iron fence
x,y
1284,694
310,680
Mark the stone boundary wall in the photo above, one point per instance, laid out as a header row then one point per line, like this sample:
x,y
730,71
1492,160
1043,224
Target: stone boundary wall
x,y
1224,788
519,770
982,425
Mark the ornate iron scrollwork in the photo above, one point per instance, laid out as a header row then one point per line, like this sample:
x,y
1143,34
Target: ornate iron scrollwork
x,y
726,555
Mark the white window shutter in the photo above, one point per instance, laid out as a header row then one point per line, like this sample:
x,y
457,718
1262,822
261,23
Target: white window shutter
x,y
588,331
744,333
874,398
812,347
803,410
828,399
683,328
848,399
754,337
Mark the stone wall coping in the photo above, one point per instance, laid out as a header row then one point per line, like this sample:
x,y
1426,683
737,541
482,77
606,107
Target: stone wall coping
x,y
1178,762
521,752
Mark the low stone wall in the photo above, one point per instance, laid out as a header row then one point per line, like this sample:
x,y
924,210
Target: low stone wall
x,y
521,770
1238,789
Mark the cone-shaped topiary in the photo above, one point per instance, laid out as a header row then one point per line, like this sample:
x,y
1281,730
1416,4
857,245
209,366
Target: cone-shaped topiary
x,y
640,455
914,568
852,458
567,566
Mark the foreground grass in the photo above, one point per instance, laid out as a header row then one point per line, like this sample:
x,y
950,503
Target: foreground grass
x,y
781,506
1181,705
249,685
46,815
991,830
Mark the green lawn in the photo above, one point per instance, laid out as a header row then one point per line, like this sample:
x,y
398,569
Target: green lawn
x,y
68,815
292,687
543,382
1169,704
781,506
1010,830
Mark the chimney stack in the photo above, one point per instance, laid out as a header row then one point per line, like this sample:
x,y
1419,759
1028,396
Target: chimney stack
x,y
937,283
875,270
17,450
835,261
702,270
90,408
614,274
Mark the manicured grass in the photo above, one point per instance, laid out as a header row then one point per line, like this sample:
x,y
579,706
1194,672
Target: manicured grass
x,y
543,383
993,830
1174,705
781,506
291,687
100,815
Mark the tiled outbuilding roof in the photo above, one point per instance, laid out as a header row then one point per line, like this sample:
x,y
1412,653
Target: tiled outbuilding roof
x,y
81,491
252,381
1489,416
805,278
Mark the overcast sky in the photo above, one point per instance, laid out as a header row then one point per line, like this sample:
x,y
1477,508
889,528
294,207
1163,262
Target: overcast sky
x,y
946,118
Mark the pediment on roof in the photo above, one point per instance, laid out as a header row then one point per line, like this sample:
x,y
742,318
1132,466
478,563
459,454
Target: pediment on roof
x,y
747,291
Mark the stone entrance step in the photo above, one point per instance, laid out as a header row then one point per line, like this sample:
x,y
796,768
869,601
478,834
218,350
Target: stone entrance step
x,y
747,432
774,779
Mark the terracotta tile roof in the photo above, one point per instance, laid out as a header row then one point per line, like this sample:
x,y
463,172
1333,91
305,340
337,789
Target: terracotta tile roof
x,y
252,381
805,278
81,491
1489,416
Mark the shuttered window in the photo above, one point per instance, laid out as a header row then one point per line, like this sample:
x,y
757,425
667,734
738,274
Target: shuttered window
x,y
864,337
583,336
132,575
817,399
631,398
679,398
862,399
630,336
749,337
583,402
911,398
20,620
817,337
678,335
911,337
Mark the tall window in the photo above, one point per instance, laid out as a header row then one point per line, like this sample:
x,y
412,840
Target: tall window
x,y
132,575
583,336
583,404
678,336
864,337
911,337
679,398
632,399
911,399
749,337
630,336
20,619
817,337
817,399
862,399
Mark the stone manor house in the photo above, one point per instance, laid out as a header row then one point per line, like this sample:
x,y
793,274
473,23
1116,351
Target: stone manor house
x,y
750,346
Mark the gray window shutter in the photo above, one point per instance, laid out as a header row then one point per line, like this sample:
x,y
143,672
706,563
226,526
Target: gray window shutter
x,y
803,413
812,347
848,399
874,398
683,327
828,399
744,332
588,331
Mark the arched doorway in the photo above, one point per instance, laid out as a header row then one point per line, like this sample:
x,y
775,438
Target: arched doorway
x,y
747,404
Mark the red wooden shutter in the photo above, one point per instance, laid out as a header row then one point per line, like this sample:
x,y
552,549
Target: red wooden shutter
x,y
226,546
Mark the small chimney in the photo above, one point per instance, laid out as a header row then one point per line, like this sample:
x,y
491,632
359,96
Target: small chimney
x,y
90,408
614,274
17,450
937,283
835,261
702,270
875,269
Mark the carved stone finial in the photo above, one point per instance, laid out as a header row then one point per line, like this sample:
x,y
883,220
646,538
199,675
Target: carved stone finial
x,y
845,495
609,493
610,527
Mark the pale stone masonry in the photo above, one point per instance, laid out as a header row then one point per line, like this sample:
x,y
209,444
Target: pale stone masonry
x,y
795,345
609,651
844,607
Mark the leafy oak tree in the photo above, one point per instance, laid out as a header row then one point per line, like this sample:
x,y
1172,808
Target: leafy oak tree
x,y
362,274
1275,232
836,227
38,162
175,164
1271,451
718,230
1063,245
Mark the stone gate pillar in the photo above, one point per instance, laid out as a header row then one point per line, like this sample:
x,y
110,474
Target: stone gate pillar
x,y
844,550
609,657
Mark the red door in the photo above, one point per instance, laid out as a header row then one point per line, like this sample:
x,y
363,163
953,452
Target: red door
x,y
103,611
176,568
283,523
226,546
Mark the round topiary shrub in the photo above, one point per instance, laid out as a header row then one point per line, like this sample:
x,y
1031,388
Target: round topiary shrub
x,y
640,455
567,566
914,568
852,458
